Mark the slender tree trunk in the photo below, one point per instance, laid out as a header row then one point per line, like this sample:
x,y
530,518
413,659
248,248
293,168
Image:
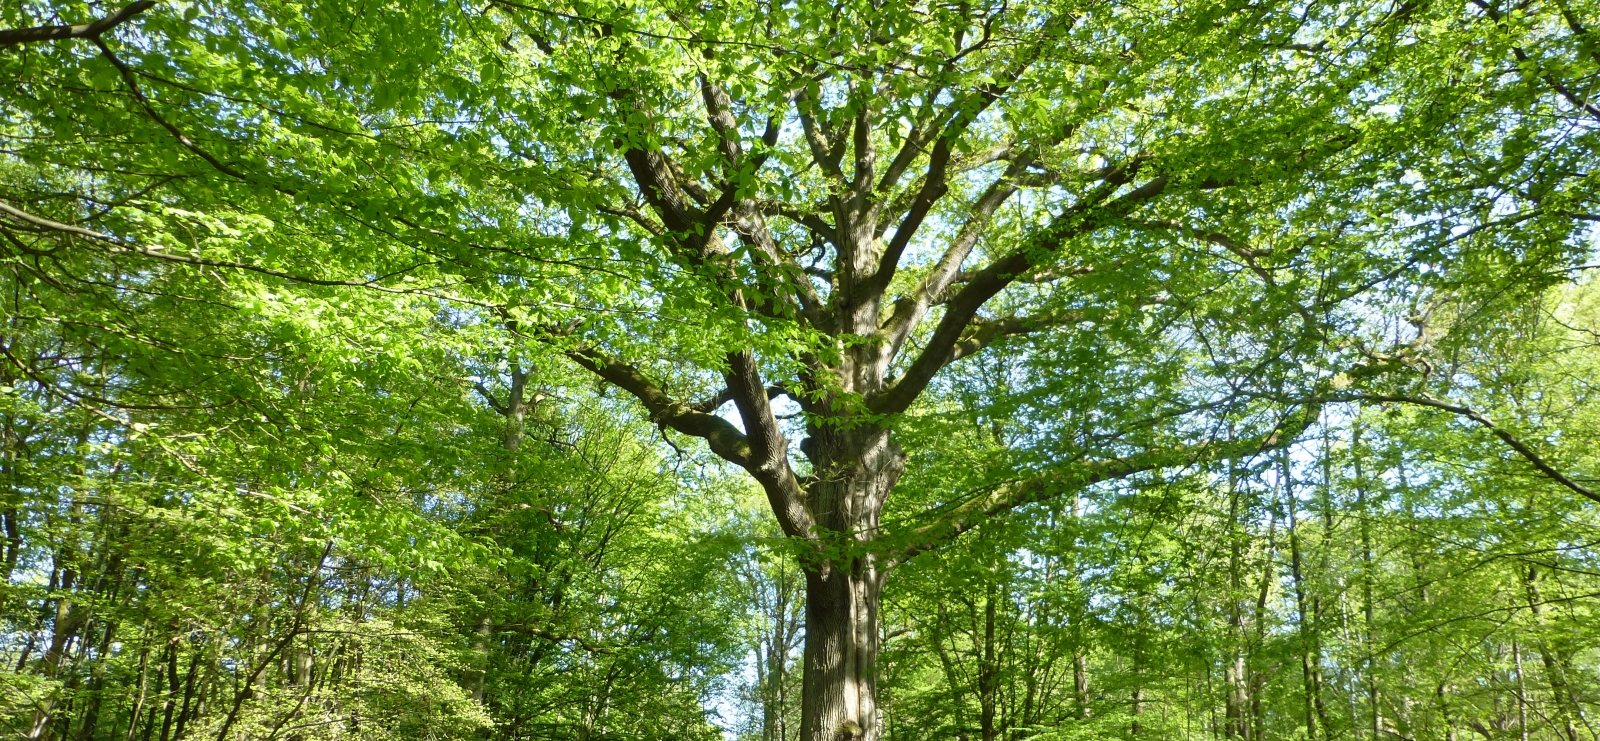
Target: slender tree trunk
x,y
1567,710
137,708
1367,569
957,704
1235,673
1310,648
174,682
1080,656
515,411
11,496
1257,677
1080,683
1522,693
69,619
1135,727
94,697
1442,696
190,706
988,671
476,675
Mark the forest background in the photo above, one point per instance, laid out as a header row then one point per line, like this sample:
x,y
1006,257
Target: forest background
x,y
514,371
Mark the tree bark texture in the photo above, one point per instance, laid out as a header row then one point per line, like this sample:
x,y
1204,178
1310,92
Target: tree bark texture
x,y
844,584
839,692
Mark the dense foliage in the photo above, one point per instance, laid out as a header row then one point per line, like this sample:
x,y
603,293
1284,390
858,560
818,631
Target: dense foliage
x,y
808,370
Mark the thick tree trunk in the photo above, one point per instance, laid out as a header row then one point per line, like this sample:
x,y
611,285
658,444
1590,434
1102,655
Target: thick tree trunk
x,y
854,470
839,695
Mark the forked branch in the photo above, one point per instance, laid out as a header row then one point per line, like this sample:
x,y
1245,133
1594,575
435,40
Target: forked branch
x,y
962,310
724,439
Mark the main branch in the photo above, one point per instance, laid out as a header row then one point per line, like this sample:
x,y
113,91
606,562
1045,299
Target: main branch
x,y
93,30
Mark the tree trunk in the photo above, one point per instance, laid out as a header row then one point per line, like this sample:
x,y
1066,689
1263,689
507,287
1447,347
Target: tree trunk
x,y
988,669
1368,568
1080,683
1561,695
839,693
1236,671
1522,693
1310,643
854,470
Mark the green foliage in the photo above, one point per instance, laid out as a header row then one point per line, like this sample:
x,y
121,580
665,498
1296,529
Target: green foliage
x,y
292,444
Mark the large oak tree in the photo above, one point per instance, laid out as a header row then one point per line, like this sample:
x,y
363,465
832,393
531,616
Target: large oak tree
x,y
776,226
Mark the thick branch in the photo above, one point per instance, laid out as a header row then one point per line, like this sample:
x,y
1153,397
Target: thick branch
x,y
961,115
718,400
866,152
934,186
488,398
719,113
14,36
768,460
982,334
763,452
907,312
724,439
824,152
960,312
659,186
923,131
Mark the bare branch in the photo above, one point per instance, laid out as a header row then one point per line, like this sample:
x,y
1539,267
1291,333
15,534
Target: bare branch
x,y
807,218
634,216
